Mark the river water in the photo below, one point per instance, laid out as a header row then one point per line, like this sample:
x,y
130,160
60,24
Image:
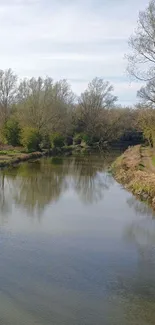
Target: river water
x,y
75,247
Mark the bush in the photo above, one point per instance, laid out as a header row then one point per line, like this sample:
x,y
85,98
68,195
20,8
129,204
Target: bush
x,y
78,138
90,140
31,139
68,141
45,142
57,140
87,139
12,132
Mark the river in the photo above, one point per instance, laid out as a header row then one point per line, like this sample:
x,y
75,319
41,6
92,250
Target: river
x,y
75,247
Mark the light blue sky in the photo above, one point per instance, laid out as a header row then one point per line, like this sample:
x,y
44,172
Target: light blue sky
x,y
72,39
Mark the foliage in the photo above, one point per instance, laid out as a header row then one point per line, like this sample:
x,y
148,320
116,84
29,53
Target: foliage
x,y
88,140
52,110
9,152
31,139
8,90
45,142
12,132
45,104
93,106
146,121
68,140
78,138
57,140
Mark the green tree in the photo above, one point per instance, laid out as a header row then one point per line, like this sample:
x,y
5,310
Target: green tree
x,y
31,139
57,140
12,132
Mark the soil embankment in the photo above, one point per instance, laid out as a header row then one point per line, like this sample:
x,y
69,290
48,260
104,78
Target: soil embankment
x,y
135,170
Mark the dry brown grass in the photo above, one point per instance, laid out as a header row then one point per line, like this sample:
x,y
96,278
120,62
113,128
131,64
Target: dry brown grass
x,y
128,171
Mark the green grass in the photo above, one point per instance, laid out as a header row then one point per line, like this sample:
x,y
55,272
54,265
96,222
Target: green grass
x,y
9,152
13,152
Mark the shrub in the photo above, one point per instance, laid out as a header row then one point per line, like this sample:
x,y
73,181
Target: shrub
x,y
78,138
45,142
87,139
12,132
31,139
57,140
68,141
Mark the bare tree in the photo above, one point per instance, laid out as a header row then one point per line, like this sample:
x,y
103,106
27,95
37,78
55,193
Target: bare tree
x,y
8,88
97,98
142,43
147,94
44,104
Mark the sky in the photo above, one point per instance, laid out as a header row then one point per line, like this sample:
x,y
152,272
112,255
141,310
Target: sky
x,y
72,39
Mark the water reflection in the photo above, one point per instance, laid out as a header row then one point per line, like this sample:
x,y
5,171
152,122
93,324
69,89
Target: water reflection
x,y
89,179
83,261
34,185
140,284
139,207
5,198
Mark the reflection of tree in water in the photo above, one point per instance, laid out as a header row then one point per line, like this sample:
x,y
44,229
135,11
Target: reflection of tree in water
x,y
134,284
5,199
89,183
34,185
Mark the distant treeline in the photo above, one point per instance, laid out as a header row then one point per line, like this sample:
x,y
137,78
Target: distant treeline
x,y
39,113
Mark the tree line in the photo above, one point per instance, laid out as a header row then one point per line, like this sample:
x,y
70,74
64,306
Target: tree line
x,y
40,112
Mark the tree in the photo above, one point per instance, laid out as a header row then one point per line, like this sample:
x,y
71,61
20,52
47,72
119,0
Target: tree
x,y
43,104
57,140
34,102
146,122
142,42
93,102
8,83
147,94
12,132
31,139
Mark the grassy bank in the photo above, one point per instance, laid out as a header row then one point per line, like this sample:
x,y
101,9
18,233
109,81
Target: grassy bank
x,y
135,170
13,155
9,157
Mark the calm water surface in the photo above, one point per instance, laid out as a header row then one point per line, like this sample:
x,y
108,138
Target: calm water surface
x,y
75,248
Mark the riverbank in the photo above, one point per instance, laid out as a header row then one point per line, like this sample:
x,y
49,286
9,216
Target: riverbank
x,y
10,156
13,157
135,170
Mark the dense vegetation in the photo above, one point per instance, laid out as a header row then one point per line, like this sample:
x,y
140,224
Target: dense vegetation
x,y
40,113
